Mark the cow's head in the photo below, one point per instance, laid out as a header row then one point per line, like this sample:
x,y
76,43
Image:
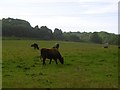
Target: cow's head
x,y
61,60
32,45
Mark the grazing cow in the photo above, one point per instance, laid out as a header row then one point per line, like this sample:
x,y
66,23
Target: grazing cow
x,y
52,53
56,46
106,45
35,46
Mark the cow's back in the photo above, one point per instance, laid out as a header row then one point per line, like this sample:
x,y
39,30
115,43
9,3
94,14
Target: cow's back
x,y
50,53
44,52
56,53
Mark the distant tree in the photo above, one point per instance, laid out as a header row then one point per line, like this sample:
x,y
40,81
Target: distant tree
x,y
21,28
58,34
74,38
108,37
46,33
71,37
36,27
15,27
95,38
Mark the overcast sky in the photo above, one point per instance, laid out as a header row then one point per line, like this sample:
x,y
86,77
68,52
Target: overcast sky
x,y
67,15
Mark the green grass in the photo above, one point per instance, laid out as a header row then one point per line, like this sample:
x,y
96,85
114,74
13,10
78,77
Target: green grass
x,y
86,66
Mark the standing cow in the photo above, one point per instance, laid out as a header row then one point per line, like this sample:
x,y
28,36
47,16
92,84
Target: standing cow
x,y
52,53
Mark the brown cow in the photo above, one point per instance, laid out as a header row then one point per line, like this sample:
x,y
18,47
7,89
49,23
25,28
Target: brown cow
x,y
52,53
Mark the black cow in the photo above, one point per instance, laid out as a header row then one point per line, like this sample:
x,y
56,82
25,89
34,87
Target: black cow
x,y
52,53
56,46
35,46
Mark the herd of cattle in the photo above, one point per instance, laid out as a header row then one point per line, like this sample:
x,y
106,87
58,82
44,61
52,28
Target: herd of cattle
x,y
52,53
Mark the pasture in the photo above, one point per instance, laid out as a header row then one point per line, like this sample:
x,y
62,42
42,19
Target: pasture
x,y
85,65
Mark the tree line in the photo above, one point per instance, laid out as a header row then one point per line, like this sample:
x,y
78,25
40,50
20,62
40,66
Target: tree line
x,y
21,28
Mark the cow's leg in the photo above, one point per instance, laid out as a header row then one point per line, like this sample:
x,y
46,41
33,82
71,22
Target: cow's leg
x,y
37,47
50,61
44,61
56,61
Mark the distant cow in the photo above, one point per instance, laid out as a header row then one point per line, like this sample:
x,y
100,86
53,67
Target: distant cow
x,y
106,45
35,46
52,53
56,46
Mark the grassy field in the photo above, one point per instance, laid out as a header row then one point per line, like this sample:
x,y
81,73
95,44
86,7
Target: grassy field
x,y
86,66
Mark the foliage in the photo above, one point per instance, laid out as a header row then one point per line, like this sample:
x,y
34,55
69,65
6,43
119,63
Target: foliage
x,y
71,37
108,37
95,38
58,34
21,28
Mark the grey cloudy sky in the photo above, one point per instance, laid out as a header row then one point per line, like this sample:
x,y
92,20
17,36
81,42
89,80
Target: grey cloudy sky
x,y
67,15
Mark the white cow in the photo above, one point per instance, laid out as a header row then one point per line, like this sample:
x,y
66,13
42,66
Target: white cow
x,y
105,45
